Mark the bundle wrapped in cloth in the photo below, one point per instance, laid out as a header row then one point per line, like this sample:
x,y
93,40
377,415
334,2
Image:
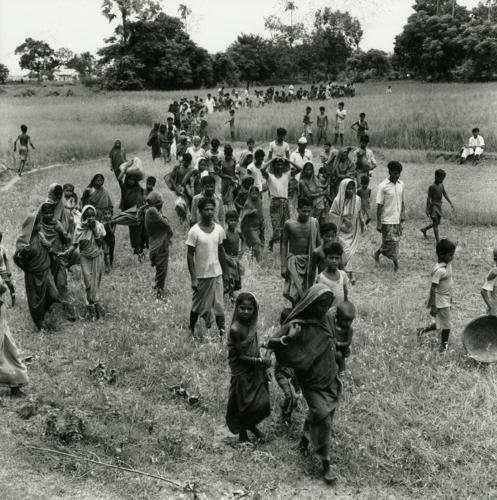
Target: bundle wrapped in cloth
x,y
133,167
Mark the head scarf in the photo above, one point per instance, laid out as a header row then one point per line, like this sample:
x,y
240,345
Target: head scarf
x,y
27,230
154,199
312,295
97,197
252,327
84,222
343,165
341,203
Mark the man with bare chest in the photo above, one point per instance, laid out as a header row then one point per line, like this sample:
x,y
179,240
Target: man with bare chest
x,y
300,238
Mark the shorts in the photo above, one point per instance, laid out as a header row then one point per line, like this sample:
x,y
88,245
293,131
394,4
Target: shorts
x,y
442,319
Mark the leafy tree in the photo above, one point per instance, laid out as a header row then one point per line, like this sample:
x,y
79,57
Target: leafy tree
x,y
123,74
373,63
184,12
485,11
129,11
64,55
164,54
224,69
38,57
480,45
335,36
84,64
4,73
251,54
442,7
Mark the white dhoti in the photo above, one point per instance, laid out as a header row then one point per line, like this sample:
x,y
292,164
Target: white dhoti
x,y
477,151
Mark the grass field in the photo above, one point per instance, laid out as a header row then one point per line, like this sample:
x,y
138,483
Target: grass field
x,y
412,424
416,116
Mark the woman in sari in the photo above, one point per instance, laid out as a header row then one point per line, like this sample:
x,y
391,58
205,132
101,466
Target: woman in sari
x,y
117,157
13,373
97,196
345,213
252,223
306,343
88,237
343,167
33,257
55,198
248,402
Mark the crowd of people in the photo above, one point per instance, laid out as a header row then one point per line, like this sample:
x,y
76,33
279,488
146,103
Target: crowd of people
x,y
319,211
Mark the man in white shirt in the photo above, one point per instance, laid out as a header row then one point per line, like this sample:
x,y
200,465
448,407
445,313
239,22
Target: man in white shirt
x,y
390,214
301,155
475,147
279,148
210,104
254,169
206,261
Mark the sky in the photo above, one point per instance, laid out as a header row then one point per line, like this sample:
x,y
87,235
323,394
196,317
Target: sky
x,y
79,25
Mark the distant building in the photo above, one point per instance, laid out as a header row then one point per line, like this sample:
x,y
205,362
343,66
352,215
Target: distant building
x,y
66,75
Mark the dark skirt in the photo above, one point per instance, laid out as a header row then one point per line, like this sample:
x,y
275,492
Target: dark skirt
x,y
248,403
41,293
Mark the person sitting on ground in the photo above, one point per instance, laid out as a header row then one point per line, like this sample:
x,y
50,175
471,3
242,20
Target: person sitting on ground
x,y
474,148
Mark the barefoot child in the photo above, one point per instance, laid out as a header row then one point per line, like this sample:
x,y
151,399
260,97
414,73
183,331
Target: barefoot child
x,y
306,343
340,115
252,223
440,298
248,402
364,193
24,142
206,264
332,277
488,290
307,125
6,273
436,193
328,234
322,124
360,127
232,249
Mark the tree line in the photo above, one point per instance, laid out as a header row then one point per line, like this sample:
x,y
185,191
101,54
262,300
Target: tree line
x,y
442,40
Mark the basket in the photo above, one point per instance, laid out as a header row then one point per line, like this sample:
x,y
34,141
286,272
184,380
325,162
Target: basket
x,y
480,339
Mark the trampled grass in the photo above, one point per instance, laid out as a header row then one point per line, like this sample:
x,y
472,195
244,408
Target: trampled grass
x,y
412,424
416,116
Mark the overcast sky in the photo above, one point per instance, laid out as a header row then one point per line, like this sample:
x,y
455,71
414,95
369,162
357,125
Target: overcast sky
x,y
79,25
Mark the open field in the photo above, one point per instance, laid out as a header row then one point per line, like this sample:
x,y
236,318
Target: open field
x,y
416,116
411,424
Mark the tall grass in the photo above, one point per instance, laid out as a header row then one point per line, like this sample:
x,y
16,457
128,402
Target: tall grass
x,y
411,424
416,116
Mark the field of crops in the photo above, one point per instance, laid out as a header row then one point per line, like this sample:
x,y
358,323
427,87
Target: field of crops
x,y
416,116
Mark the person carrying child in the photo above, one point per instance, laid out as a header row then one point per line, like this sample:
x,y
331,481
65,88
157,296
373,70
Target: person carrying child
x,y
440,299
24,141
248,402
488,290
306,343
436,193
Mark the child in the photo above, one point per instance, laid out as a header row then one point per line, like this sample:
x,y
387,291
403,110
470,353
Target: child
x,y
24,142
360,126
109,240
307,130
231,121
160,235
248,402
322,123
328,233
340,116
344,317
70,202
364,193
246,183
153,141
440,298
227,174
232,250
327,157
279,148
334,278
252,223
436,193
150,185
88,237
488,291
208,183
248,151
5,272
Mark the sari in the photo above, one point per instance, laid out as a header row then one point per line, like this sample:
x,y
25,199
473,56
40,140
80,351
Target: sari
x,y
117,157
90,254
308,188
345,213
55,197
343,167
98,198
248,402
13,372
32,256
312,356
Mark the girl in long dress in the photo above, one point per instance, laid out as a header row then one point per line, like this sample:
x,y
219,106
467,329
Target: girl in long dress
x,y
345,212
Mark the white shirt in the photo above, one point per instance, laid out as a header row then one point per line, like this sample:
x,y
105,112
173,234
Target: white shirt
x,y
206,246
209,104
341,115
301,160
336,287
196,154
278,186
476,142
257,175
391,196
441,275
279,150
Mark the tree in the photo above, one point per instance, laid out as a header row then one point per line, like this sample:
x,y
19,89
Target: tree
x,y
442,7
485,11
64,55
224,69
284,33
480,45
251,55
38,57
184,12
4,73
371,64
129,11
335,36
84,64
164,56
